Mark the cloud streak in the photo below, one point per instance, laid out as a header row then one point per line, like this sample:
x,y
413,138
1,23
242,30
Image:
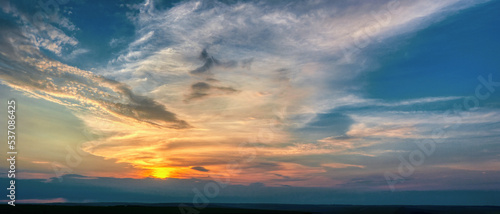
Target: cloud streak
x,y
26,69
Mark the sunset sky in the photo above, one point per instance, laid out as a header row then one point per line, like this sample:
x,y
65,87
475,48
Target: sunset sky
x,y
289,101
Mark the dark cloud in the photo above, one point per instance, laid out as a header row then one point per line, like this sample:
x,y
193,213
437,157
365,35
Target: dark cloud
x,y
267,166
227,89
200,86
283,176
210,62
143,108
200,168
198,90
212,80
203,89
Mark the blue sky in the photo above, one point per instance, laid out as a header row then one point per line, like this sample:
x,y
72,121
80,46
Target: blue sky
x,y
312,101
447,57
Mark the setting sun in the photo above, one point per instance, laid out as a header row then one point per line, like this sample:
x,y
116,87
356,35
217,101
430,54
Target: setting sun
x,y
161,172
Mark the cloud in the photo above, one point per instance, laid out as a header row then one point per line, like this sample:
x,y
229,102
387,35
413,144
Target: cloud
x,y
40,201
209,63
76,53
385,131
198,91
143,39
341,165
287,63
273,74
70,86
202,89
200,168
200,86
40,26
325,125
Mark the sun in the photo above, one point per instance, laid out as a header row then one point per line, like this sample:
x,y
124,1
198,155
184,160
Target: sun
x,y
161,172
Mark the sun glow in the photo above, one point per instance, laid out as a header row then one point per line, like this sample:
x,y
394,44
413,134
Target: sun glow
x,y
161,172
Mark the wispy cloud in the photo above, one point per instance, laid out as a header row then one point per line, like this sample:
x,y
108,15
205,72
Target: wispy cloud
x,y
70,86
223,74
44,29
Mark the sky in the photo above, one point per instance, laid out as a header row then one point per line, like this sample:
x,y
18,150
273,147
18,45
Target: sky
x,y
305,102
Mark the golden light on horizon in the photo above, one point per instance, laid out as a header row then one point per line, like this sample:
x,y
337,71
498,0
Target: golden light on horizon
x,y
161,172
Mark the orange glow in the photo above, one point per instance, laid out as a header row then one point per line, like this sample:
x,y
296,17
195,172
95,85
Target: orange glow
x,y
161,172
